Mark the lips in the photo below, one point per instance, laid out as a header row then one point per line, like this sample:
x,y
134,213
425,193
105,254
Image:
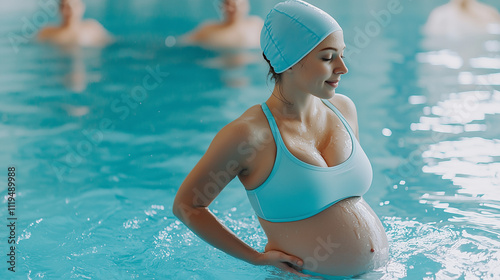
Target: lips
x,y
334,83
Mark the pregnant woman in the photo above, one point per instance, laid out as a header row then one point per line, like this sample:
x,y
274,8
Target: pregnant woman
x,y
298,157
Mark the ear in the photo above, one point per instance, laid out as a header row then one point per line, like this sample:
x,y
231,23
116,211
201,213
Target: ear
x,y
299,64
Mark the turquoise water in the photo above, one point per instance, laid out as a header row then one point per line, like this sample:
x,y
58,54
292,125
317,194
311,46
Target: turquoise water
x,y
97,170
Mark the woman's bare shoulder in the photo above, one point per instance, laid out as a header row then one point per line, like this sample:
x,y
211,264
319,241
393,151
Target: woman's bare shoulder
x,y
345,105
227,144
348,110
250,122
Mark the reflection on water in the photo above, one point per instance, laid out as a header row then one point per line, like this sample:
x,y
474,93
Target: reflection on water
x,y
461,111
446,251
456,137
233,64
472,164
75,63
446,58
485,62
468,78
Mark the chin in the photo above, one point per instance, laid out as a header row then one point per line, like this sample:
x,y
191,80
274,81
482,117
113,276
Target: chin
x,y
323,93
329,94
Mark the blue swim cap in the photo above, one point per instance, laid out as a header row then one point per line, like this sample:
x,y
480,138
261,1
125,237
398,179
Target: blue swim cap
x,y
292,29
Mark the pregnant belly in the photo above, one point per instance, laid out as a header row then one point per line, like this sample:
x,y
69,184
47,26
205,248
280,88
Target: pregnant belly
x,y
345,239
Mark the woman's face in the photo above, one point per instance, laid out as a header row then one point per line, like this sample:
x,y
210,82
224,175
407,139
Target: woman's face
x,y
318,73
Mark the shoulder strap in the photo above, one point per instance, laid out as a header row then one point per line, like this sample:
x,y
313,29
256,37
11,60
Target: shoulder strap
x,y
272,124
339,114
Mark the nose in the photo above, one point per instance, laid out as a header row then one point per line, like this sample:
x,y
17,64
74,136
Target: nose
x,y
340,67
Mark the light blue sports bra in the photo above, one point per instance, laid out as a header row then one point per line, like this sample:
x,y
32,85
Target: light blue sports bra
x,y
296,190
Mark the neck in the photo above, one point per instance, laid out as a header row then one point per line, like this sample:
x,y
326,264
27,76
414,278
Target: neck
x,y
228,20
292,104
70,23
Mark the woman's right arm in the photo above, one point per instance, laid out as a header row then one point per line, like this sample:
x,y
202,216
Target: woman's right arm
x,y
220,164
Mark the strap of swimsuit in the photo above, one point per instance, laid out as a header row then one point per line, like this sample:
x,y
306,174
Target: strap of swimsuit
x,y
341,117
272,124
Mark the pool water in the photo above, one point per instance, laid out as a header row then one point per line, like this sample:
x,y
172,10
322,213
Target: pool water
x,y
99,154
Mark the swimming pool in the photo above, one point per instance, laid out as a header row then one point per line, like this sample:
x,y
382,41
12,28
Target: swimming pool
x,y
99,154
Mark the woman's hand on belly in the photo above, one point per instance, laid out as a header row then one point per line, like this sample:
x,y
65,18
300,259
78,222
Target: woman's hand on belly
x,y
282,261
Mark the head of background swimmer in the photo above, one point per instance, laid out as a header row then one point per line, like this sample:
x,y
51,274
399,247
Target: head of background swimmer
x,y
71,11
320,49
234,9
463,4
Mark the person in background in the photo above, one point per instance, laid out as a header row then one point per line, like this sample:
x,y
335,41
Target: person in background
x,y
73,30
460,18
236,30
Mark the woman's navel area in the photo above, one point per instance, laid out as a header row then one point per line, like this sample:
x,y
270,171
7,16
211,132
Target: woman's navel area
x,y
345,239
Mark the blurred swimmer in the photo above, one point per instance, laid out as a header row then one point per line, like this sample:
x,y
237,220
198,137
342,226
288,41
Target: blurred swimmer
x,y
74,31
298,157
460,18
236,30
